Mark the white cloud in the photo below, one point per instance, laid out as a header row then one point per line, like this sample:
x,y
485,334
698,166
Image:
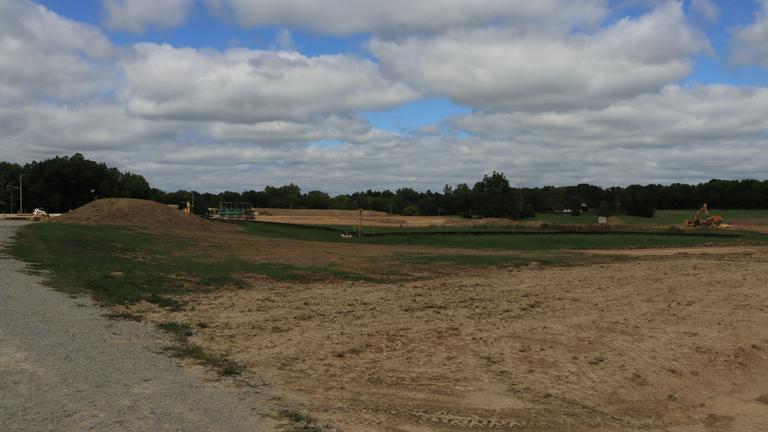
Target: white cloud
x,y
248,86
707,116
553,107
46,56
500,68
679,134
750,43
706,8
393,16
135,15
336,128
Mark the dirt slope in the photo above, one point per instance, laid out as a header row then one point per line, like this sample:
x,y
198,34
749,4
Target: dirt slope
x,y
128,211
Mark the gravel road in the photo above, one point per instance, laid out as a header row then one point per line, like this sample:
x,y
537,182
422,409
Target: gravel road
x,y
64,367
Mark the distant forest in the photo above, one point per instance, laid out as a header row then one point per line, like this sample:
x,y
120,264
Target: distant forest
x,y
64,183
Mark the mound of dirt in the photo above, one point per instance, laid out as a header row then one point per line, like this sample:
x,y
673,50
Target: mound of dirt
x,y
129,211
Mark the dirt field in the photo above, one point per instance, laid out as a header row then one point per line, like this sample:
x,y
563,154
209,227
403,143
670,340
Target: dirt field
x,y
669,339
759,225
370,219
672,343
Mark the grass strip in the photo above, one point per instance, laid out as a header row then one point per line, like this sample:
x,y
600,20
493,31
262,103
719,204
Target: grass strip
x,y
185,349
300,422
223,364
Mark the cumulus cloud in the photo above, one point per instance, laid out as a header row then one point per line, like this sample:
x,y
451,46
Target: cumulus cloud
x,y
750,43
676,116
678,134
551,107
248,86
503,69
705,8
335,128
364,16
430,162
135,15
92,126
46,56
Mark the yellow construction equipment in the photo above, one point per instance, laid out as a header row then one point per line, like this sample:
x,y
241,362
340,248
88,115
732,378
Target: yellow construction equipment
x,y
710,221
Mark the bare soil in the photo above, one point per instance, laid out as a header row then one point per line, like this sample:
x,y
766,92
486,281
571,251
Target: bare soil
x,y
128,211
373,219
664,343
759,225
673,251
670,339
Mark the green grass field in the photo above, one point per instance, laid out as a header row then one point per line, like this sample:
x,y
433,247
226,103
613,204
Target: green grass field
x,y
511,243
120,265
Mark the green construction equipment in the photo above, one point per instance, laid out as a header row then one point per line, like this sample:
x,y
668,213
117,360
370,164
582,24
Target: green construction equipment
x,y
233,211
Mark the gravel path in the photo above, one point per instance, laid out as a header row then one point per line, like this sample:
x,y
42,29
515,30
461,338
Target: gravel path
x,y
63,367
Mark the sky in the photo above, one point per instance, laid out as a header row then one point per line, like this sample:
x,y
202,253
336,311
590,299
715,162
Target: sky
x,y
349,95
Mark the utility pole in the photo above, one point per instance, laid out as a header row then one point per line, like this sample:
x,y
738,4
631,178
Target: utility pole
x,y
21,195
360,226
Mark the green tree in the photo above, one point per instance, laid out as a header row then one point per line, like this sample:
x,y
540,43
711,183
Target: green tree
x,y
495,197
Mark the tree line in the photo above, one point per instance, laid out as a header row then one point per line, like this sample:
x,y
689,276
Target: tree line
x,y
60,184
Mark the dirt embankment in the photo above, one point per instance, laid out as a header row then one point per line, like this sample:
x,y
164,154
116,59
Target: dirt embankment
x,y
128,211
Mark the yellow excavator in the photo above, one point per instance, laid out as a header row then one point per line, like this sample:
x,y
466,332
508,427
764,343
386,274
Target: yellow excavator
x,y
710,221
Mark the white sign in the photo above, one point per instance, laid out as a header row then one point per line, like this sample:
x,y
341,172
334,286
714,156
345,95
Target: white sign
x,y
602,220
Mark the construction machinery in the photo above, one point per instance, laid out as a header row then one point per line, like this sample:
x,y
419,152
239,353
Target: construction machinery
x,y
710,221
39,214
233,211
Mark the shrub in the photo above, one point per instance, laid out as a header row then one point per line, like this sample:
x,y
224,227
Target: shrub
x,y
411,211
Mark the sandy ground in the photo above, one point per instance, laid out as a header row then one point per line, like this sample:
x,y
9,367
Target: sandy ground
x,y
674,251
672,343
373,219
759,225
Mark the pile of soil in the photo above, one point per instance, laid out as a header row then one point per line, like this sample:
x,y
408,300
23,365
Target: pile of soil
x,y
129,211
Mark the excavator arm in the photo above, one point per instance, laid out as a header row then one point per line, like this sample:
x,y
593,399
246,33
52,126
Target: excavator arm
x,y
704,209
709,221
